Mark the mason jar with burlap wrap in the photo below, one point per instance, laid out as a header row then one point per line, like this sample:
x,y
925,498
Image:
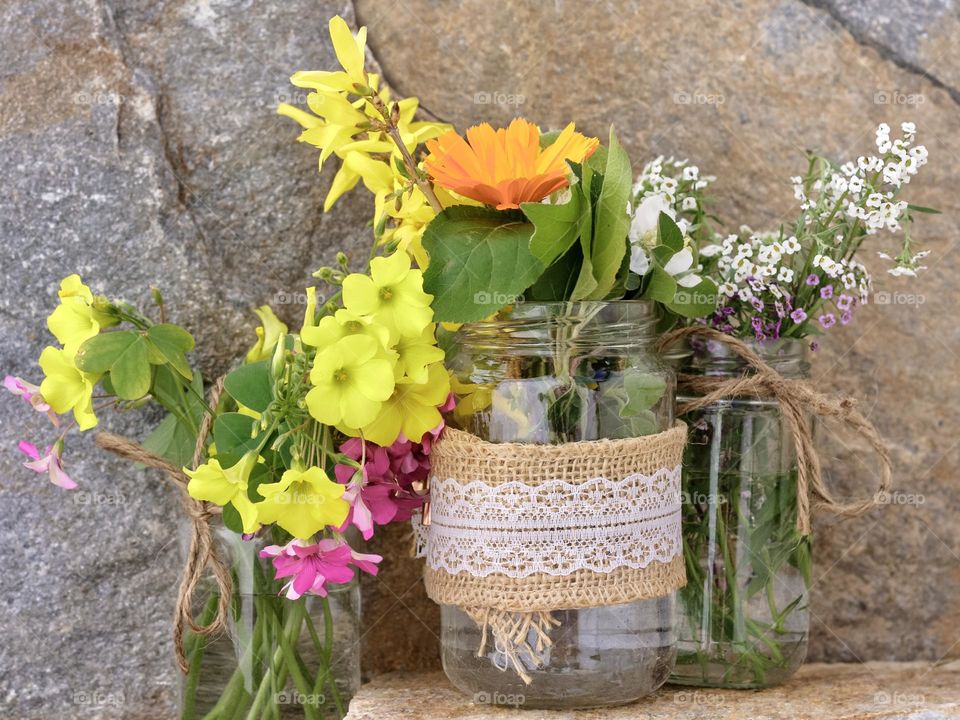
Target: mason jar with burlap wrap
x,y
552,534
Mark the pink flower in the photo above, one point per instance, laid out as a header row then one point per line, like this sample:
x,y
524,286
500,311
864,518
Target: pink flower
x,y
49,463
311,567
31,395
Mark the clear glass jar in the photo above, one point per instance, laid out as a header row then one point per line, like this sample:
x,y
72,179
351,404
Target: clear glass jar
x,y
744,613
278,658
552,373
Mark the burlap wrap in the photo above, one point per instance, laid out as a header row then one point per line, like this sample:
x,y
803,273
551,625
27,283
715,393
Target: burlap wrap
x,y
465,458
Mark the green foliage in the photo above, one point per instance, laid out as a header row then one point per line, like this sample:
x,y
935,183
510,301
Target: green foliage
x,y
169,344
611,223
251,385
556,227
123,354
234,435
480,260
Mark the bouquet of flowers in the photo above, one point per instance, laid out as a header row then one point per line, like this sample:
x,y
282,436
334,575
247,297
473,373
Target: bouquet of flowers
x,y
331,427
746,538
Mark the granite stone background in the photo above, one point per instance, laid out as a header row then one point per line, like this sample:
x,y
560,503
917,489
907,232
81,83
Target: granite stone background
x,y
138,146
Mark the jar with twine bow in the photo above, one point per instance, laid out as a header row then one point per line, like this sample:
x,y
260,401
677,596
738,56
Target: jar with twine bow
x,y
751,480
552,536
246,651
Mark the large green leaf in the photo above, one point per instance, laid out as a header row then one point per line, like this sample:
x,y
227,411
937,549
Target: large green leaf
x,y
233,434
173,440
480,260
661,286
124,355
697,301
669,233
611,223
556,227
251,385
558,281
171,343
643,391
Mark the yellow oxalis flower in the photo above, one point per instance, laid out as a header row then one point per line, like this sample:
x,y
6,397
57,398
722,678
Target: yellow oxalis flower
x,y
351,380
392,294
332,328
471,398
66,388
74,320
303,503
268,335
412,409
223,486
416,353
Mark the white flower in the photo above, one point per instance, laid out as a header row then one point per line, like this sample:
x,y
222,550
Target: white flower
x,y
643,226
681,267
639,261
691,173
900,270
785,275
709,251
791,245
908,128
728,289
745,294
689,203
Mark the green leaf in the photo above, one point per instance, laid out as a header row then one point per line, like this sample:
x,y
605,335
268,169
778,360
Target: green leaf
x,y
661,286
922,209
556,227
586,282
612,223
124,355
668,233
480,260
559,280
231,519
695,302
643,390
171,342
173,440
251,385
233,433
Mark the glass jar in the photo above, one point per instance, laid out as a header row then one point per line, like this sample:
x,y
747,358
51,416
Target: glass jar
x,y
551,373
278,658
744,613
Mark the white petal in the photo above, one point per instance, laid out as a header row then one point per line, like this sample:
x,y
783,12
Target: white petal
x,y
639,262
689,281
680,262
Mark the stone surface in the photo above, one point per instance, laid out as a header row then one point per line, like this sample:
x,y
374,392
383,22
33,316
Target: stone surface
x,y
873,691
139,146
742,89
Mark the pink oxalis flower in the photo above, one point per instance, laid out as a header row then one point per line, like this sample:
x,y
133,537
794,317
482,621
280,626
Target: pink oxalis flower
x,y
310,567
50,463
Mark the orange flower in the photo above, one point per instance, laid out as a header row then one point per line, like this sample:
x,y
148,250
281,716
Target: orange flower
x,y
505,167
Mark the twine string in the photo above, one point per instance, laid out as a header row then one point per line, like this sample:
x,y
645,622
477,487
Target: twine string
x,y
203,552
797,398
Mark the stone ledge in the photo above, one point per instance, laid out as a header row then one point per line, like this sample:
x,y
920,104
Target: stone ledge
x,y
871,691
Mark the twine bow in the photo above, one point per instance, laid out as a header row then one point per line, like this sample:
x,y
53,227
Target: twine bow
x,y
796,398
203,552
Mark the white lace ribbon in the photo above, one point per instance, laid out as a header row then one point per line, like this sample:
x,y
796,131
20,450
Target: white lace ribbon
x,y
555,527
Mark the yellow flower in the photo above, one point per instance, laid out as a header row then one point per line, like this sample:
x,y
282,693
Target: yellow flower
x,y
471,398
332,328
268,335
74,320
349,49
67,388
412,409
351,380
310,311
303,503
392,294
416,353
223,486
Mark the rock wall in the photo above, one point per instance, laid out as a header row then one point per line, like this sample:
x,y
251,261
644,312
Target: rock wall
x,y
139,147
